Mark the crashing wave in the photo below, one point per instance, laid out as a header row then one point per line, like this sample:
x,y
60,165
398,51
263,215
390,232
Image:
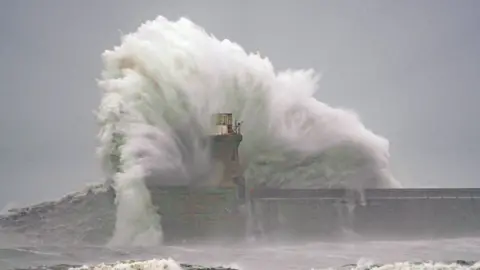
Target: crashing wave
x,y
161,86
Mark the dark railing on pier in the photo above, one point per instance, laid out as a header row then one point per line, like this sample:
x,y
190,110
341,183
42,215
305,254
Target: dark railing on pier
x,y
404,193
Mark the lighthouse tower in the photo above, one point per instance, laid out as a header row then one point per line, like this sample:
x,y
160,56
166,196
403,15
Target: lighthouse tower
x,y
225,140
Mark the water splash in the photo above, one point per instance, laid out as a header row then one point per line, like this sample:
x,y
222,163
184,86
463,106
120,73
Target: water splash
x,y
166,264
366,264
162,84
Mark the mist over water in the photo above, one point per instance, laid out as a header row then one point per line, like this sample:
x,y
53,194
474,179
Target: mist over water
x,y
161,86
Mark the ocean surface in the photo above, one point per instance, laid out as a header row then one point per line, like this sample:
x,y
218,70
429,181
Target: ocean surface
x,y
433,254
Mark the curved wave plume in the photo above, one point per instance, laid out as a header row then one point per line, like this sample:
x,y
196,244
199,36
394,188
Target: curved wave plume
x,y
161,86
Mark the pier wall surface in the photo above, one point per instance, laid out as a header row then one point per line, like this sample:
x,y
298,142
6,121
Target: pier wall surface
x,y
218,213
374,213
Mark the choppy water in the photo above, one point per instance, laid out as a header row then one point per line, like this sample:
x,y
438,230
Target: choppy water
x,y
292,256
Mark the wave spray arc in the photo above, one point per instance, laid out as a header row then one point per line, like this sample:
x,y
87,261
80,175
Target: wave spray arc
x,y
162,85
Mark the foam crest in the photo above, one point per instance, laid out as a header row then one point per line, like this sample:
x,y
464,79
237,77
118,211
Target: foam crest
x,y
164,264
459,265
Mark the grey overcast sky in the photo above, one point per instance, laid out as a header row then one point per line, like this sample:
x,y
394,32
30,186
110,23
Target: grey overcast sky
x,y
409,68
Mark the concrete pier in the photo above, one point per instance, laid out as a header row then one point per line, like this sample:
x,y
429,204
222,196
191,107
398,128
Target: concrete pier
x,y
321,214
374,213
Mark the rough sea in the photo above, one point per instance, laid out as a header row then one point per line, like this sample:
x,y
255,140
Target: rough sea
x,y
160,87
73,232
